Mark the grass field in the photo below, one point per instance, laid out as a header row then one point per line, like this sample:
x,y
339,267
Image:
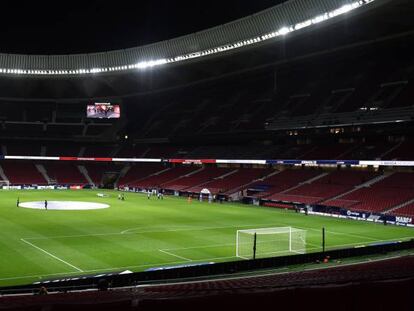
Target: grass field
x,y
137,234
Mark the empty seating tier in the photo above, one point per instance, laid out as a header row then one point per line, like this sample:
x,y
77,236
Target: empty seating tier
x,y
381,196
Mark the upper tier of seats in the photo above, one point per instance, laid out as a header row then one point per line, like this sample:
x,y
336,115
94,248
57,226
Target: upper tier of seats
x,y
405,151
310,151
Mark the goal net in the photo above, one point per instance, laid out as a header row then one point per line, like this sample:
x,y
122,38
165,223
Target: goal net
x,y
268,242
4,184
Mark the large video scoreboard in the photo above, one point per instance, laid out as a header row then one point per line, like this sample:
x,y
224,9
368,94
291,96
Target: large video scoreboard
x,y
103,111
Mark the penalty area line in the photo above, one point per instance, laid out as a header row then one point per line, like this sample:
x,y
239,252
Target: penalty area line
x,y
171,254
51,255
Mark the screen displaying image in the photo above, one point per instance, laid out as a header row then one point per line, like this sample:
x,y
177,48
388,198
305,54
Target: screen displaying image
x,y
103,111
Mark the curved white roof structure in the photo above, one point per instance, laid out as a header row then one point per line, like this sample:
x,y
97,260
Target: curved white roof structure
x,y
266,25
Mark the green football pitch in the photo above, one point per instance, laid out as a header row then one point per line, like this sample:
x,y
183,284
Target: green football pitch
x,y
138,234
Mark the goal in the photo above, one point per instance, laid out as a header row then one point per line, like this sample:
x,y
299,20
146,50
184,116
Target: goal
x,y
4,184
268,242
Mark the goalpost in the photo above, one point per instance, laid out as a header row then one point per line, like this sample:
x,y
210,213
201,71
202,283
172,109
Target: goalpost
x,y
268,242
4,184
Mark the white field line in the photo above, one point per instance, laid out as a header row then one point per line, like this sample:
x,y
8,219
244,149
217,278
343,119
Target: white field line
x,y
353,235
37,276
197,247
51,255
165,263
115,268
335,232
171,254
161,264
315,246
218,245
130,231
213,228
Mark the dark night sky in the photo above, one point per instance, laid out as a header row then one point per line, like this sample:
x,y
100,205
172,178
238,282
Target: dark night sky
x,y
58,27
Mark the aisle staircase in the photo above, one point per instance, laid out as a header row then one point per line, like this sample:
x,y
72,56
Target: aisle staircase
x,y
85,173
43,172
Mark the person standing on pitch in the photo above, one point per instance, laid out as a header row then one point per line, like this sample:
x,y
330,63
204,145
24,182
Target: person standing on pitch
x,y
148,194
18,202
45,204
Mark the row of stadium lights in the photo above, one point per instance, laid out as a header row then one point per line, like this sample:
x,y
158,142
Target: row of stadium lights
x,y
153,63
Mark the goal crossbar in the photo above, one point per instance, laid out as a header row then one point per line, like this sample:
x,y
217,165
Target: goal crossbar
x,y
270,230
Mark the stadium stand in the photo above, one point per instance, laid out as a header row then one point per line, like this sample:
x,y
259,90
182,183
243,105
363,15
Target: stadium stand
x,y
364,282
97,171
167,175
406,210
199,177
136,151
20,173
162,152
228,152
98,151
370,150
231,182
347,97
403,151
65,173
387,193
279,182
336,151
138,172
26,149
59,149
326,187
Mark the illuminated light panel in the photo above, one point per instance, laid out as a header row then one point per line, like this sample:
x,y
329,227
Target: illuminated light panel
x,y
142,65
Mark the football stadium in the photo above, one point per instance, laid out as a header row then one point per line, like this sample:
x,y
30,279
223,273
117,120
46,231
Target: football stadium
x,y
257,158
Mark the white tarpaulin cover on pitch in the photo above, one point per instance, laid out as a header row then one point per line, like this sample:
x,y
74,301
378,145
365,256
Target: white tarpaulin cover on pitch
x,y
64,205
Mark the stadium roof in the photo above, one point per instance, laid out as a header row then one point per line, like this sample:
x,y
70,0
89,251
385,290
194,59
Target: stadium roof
x,y
268,25
97,26
381,24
